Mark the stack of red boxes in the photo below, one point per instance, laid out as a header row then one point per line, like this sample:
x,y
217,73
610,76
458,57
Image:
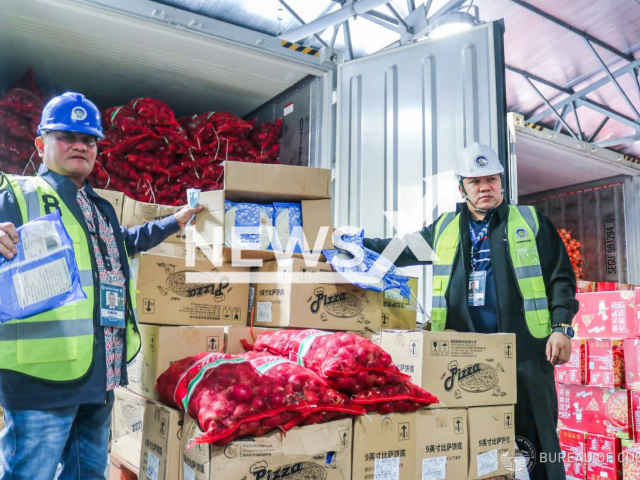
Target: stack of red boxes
x,y
599,389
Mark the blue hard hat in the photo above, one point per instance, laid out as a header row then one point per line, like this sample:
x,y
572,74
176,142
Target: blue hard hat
x,y
71,112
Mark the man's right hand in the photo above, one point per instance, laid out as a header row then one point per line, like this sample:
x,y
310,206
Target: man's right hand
x,y
8,239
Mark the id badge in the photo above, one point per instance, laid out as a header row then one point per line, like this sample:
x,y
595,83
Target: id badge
x,y
477,288
112,303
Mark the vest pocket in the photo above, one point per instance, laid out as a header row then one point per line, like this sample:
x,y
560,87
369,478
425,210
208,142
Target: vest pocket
x,y
49,341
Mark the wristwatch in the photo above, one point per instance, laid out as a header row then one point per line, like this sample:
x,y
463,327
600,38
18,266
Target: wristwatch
x,y
565,328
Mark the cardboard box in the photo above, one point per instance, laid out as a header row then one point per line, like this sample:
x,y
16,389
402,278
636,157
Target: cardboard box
x,y
603,457
442,444
127,425
634,414
120,469
461,369
321,303
165,298
605,363
630,460
384,445
603,411
116,199
235,335
312,452
163,345
632,363
573,372
161,454
607,315
492,440
574,451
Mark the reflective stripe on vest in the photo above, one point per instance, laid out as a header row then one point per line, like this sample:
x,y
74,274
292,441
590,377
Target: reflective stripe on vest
x,y
522,229
58,344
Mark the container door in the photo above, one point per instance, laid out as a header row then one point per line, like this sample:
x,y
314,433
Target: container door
x,y
405,114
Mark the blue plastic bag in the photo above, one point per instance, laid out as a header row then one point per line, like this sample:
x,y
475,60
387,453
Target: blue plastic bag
x,y
43,275
353,249
288,227
251,221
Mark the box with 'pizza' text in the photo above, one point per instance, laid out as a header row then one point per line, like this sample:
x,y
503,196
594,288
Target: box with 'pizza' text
x,y
461,369
492,440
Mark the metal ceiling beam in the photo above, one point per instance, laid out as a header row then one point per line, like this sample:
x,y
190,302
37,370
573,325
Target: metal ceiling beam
x,y
542,97
331,19
597,131
613,79
617,141
297,17
383,17
575,115
404,24
580,96
634,75
580,101
411,5
558,126
557,21
382,23
336,29
347,38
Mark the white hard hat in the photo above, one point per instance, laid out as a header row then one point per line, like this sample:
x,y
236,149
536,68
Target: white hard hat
x,y
478,160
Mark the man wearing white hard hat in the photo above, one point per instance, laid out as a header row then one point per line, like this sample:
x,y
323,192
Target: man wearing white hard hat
x,y
504,268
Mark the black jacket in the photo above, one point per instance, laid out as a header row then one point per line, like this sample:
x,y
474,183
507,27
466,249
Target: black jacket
x,y
557,271
18,391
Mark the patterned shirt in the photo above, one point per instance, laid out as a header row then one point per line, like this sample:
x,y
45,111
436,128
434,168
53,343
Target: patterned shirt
x,y
113,337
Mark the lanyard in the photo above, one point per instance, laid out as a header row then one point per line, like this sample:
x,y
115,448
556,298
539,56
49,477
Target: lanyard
x,y
101,243
475,243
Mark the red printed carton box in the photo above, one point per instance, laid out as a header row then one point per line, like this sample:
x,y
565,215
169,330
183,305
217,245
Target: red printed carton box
x,y
573,372
603,411
634,414
632,363
574,452
605,363
630,460
603,457
607,315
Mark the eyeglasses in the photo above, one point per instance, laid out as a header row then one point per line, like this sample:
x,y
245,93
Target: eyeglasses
x,y
71,138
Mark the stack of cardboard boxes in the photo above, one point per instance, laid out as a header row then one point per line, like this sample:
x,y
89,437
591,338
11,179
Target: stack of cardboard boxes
x,y
179,318
469,434
598,397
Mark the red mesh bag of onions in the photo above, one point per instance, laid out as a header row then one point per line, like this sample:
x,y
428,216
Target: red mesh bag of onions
x,y
349,362
324,402
229,398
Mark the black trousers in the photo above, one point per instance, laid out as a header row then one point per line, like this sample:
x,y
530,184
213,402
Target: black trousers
x,y
536,416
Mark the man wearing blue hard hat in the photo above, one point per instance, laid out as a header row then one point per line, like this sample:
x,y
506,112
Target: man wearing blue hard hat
x,y
58,369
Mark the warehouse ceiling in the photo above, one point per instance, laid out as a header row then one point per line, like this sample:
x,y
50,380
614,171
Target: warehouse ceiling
x,y
546,62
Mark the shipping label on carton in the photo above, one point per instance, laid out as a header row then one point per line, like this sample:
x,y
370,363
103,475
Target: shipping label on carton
x,y
603,411
573,446
161,454
603,457
313,452
605,363
607,315
169,293
573,372
461,369
127,426
491,442
384,447
632,363
442,444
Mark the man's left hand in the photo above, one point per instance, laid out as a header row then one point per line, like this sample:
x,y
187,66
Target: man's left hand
x,y
558,348
185,214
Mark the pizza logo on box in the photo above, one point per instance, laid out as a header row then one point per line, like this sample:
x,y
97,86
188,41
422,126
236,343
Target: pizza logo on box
x,y
296,471
593,406
475,378
341,305
587,319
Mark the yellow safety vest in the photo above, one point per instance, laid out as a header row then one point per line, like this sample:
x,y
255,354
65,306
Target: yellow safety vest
x,y
522,229
58,345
